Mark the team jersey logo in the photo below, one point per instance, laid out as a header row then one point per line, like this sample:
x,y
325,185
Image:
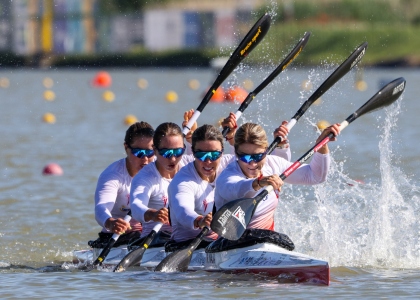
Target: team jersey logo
x,y
165,201
205,204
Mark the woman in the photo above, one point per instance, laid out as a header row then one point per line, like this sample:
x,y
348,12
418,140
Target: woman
x,y
112,193
149,192
191,192
254,170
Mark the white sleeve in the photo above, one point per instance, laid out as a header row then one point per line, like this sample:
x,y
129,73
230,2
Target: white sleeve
x,y
230,187
284,153
188,149
105,197
313,173
140,193
182,203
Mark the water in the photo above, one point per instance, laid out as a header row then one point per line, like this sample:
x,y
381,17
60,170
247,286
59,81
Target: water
x,y
363,220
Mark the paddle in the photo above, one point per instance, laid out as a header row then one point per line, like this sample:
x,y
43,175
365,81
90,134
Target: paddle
x,y
283,65
231,220
105,251
342,70
179,260
134,257
252,39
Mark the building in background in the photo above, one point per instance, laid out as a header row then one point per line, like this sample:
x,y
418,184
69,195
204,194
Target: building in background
x,y
57,27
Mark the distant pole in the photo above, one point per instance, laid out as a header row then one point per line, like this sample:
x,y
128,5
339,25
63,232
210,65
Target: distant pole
x,y
289,10
47,27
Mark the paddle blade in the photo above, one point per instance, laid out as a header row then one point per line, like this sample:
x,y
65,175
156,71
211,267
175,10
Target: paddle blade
x,y
249,42
231,220
131,259
180,260
342,70
177,261
386,96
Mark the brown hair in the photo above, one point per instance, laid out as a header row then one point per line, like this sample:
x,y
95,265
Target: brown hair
x,y
251,133
166,129
206,133
138,129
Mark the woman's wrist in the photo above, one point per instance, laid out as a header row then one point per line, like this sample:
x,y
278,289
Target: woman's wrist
x,y
197,221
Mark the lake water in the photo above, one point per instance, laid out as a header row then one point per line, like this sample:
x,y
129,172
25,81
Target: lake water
x,y
364,220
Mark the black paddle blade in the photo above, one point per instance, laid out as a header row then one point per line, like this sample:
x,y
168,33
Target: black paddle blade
x,y
342,70
177,261
249,42
131,259
386,96
231,220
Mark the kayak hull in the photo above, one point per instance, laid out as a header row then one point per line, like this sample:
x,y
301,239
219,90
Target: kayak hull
x,y
264,259
271,260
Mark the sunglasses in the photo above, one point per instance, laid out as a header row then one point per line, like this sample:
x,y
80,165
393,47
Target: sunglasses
x,y
140,153
247,158
203,155
168,153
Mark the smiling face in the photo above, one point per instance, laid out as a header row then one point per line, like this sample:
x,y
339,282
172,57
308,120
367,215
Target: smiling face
x,y
134,163
253,169
207,169
169,166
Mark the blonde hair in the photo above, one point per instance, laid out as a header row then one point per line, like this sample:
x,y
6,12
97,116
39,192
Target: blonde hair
x,y
251,133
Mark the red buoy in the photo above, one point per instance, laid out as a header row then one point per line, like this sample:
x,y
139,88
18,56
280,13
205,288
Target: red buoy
x,y
52,169
102,79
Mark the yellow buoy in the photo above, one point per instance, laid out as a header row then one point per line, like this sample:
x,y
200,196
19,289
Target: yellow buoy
x,y
48,82
248,84
322,124
130,119
318,101
4,82
361,85
108,96
49,95
49,118
142,83
171,96
306,85
194,84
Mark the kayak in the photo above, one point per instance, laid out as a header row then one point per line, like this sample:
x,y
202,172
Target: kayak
x,y
262,258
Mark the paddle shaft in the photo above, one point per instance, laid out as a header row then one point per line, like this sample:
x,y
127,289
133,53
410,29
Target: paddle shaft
x,y
135,256
342,70
104,253
250,41
283,65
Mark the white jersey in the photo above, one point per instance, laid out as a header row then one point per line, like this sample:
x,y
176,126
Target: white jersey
x,y
232,184
150,190
112,195
189,197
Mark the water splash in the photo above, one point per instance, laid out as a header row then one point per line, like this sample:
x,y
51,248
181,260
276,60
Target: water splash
x,y
353,224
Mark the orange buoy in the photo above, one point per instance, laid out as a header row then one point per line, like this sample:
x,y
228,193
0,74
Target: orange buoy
x,y
219,95
52,169
102,79
236,93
